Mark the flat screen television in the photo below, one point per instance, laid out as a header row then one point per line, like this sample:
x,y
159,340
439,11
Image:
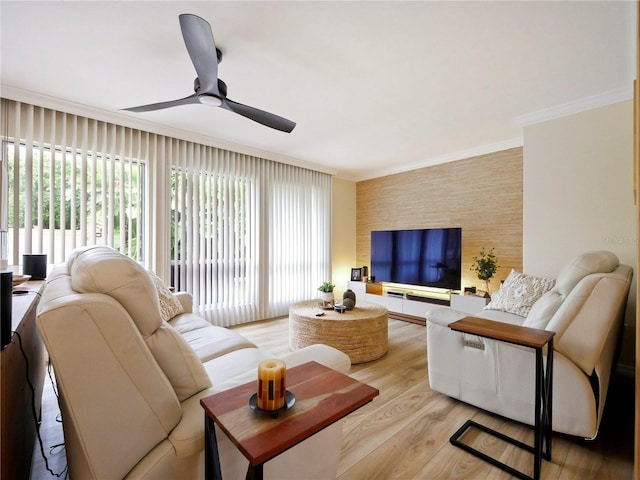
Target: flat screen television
x,y
426,257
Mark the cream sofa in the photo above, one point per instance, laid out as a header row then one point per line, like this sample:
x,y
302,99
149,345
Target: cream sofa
x,y
130,381
585,308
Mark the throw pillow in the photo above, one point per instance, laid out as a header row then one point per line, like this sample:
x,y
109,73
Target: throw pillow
x,y
519,292
170,306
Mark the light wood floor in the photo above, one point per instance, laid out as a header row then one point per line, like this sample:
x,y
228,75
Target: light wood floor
x,y
404,433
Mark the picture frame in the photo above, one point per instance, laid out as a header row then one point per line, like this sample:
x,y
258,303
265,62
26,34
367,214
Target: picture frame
x,y
356,274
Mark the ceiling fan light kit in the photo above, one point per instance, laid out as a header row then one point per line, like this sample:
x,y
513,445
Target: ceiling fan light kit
x,y
209,89
210,100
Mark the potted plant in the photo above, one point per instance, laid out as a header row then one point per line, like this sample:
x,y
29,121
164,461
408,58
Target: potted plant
x,y
328,299
485,265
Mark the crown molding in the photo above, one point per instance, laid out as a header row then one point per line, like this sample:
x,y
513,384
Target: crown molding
x,y
58,104
570,108
576,106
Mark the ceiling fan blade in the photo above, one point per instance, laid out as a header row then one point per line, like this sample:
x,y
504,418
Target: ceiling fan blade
x,y
159,106
260,116
198,37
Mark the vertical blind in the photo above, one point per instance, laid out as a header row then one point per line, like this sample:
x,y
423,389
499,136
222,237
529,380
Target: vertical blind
x,y
74,182
249,236
246,236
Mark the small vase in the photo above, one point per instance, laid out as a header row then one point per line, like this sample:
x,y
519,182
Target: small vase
x,y
349,295
328,299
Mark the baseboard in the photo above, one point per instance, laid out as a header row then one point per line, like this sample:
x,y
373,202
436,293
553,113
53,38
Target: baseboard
x,y
408,318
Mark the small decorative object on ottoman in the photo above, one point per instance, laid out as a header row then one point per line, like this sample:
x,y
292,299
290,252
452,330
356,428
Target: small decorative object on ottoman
x,y
349,299
348,303
328,299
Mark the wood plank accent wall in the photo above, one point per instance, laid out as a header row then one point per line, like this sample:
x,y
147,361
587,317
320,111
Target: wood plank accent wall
x,y
482,194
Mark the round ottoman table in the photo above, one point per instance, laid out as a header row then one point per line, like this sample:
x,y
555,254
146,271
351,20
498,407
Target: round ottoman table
x,y
361,333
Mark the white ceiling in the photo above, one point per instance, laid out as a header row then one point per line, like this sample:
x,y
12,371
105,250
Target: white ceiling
x,y
375,87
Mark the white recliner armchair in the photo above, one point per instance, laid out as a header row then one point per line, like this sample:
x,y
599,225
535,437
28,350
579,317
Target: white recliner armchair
x,y
585,307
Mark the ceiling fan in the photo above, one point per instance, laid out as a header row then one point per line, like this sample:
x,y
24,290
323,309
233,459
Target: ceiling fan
x,y
209,89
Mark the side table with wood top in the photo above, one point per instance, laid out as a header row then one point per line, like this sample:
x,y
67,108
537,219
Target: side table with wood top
x,y
526,337
323,396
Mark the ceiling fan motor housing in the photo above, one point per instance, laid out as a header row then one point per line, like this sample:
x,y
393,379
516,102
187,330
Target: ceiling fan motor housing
x,y
211,99
222,87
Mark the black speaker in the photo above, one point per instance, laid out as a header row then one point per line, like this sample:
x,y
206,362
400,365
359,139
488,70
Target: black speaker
x,y
6,303
35,264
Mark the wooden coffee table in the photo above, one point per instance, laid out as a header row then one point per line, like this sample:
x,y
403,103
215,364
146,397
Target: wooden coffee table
x,y
327,397
361,333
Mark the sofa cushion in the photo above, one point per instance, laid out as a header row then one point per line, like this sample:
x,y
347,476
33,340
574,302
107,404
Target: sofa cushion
x,y
544,309
586,317
583,265
187,437
236,364
501,316
102,269
570,275
323,354
186,300
178,361
240,367
170,306
518,293
208,341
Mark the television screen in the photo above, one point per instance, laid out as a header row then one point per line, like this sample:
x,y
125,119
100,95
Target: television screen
x,y
427,257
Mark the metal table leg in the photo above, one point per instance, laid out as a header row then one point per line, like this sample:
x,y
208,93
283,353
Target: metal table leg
x,y
542,423
212,470
255,473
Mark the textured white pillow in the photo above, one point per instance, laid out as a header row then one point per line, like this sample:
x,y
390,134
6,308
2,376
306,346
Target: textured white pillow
x,y
170,306
519,292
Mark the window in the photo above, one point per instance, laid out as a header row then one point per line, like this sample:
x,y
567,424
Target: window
x,y
66,199
244,235
249,236
212,239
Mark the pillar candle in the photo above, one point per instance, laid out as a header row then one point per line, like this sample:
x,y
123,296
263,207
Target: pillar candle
x,y
271,384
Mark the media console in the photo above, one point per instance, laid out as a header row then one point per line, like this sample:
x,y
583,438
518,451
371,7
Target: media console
x,y
413,304
405,303
421,298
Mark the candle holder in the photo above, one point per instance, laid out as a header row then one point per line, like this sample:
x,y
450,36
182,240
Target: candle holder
x,y
290,401
272,396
